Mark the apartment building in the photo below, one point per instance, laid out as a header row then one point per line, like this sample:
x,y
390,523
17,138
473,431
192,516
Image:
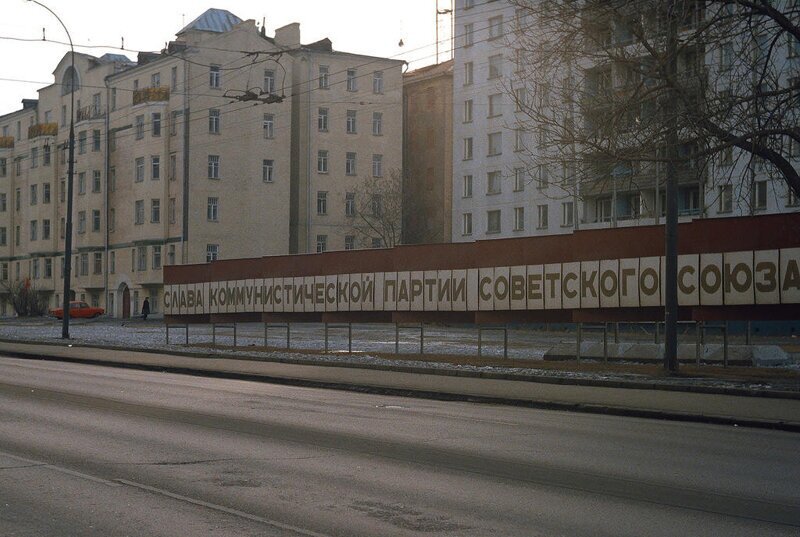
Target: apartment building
x,y
502,189
428,154
203,151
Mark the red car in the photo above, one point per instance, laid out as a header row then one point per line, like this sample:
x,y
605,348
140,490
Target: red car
x,y
78,310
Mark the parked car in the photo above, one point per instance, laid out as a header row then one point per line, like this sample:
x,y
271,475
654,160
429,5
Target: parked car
x,y
78,310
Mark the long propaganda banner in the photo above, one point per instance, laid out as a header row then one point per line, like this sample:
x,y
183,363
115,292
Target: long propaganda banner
x,y
709,279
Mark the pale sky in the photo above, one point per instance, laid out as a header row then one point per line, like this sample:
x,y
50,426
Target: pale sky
x,y
372,27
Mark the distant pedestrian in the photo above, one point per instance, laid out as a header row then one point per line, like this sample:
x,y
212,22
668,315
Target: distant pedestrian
x,y
145,309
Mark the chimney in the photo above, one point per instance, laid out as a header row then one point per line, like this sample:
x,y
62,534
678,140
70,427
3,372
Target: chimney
x,y
289,35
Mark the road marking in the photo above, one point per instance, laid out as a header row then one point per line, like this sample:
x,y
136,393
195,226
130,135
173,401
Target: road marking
x,y
222,508
41,464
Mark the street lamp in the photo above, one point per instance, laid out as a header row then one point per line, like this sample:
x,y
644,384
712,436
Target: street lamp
x,y
70,175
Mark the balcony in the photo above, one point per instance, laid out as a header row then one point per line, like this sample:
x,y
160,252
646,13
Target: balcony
x,y
88,113
6,142
42,129
147,95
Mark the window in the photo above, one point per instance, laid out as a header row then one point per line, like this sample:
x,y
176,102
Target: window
x,y
377,123
82,222
212,252
171,210
350,204
138,211
725,56
155,124
48,268
493,221
377,82
17,199
96,140
82,183
155,211
171,254
376,205
468,111
759,195
61,230
466,224
496,27
322,243
34,157
519,218
349,242
212,209
469,34
98,263
520,99
269,81
173,123
45,155
468,73
351,122
213,121
322,203
155,80
95,220
96,182
139,169
351,80
495,105
139,127
34,196
3,202
542,216
173,79
214,78
269,126
377,165
4,273
791,198
112,219
267,170
155,167
112,141
3,167
16,239
82,142
322,161
113,99
173,166
519,139
725,199
213,166
377,242
141,259
112,179
350,164
34,230
493,182
322,119
519,179
466,186
324,82
495,143
567,214
156,257
496,66
468,148
603,209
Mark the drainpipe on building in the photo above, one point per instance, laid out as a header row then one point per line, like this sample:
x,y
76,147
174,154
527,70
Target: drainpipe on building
x,y
106,195
185,219
308,164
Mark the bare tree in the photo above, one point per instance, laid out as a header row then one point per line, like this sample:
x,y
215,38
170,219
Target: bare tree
x,y
25,299
378,208
599,89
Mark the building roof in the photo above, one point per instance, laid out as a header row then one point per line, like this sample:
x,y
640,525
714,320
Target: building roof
x,y
429,71
114,58
213,20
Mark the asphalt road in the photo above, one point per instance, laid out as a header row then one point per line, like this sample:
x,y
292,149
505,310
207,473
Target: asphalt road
x,y
87,450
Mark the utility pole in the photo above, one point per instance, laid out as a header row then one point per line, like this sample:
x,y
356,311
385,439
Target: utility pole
x,y
670,278
70,176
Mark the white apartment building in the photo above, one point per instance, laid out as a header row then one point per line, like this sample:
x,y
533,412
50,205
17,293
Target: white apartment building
x,y
204,151
498,193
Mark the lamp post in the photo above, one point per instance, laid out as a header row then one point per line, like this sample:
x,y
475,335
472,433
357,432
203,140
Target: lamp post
x,y
70,175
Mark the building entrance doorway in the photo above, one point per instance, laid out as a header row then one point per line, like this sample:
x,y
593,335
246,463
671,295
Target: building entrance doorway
x,y
126,301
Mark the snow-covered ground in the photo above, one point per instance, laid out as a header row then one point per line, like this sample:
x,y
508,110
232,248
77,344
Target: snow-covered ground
x,y
367,341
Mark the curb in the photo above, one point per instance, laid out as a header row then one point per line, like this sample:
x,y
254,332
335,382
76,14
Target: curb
x,y
557,380
438,396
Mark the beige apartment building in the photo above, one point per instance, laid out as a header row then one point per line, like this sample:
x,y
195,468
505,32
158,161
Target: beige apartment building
x,y
208,150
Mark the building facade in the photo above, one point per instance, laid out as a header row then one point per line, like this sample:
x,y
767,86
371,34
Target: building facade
x,y
204,151
428,154
499,190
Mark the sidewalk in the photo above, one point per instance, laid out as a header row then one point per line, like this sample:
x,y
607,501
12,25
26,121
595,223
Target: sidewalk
x,y
765,409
